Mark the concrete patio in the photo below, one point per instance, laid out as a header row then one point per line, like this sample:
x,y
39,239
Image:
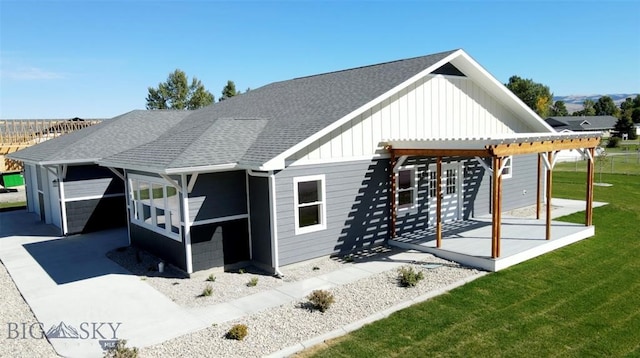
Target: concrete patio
x,y
469,242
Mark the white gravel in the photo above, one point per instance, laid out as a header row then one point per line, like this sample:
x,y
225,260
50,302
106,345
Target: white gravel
x,y
13,309
278,328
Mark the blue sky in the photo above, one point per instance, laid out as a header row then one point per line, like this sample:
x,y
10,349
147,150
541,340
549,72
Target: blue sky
x,y
96,59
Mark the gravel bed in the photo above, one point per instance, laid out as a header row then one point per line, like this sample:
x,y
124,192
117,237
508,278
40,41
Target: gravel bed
x,y
15,310
187,292
280,327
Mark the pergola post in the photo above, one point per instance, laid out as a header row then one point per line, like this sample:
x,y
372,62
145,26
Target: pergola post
x,y
590,173
392,193
549,189
439,202
538,187
496,201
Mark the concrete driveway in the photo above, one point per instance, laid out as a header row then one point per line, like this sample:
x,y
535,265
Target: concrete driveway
x,y
81,297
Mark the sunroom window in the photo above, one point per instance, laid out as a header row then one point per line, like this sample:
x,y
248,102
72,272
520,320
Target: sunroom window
x,y
309,203
155,205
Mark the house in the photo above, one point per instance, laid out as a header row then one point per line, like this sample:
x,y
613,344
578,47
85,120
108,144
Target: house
x,y
604,124
319,165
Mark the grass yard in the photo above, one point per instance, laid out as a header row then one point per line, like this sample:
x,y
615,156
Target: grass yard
x,y
579,301
18,204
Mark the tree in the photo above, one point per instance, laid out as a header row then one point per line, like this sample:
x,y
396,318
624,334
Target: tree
x,y
176,93
606,107
587,109
229,91
535,95
631,107
625,125
558,109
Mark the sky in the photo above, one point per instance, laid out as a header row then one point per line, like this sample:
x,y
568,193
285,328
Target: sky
x,y
97,59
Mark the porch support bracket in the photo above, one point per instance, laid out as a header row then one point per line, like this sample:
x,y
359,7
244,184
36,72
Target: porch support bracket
x,y
171,182
116,172
192,182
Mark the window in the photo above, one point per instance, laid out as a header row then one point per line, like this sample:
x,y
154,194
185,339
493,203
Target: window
x,y
433,184
155,205
406,189
309,204
507,172
450,187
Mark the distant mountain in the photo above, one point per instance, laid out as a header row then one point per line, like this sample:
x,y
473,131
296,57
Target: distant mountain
x,y
574,102
62,331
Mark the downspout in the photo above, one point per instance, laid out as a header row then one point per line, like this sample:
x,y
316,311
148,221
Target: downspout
x,y
274,224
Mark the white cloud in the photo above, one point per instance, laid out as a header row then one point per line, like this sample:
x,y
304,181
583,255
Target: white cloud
x,y
31,73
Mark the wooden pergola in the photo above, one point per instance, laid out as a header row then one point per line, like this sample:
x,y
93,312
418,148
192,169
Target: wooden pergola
x,y
546,145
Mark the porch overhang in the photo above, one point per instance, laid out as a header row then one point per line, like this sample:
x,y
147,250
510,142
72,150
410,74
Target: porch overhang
x,y
545,145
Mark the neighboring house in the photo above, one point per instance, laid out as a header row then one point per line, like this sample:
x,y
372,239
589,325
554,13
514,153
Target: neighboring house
x,y
604,124
321,165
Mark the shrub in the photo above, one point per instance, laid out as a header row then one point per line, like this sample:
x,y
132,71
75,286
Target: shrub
x,y
208,291
408,276
241,271
321,299
614,142
211,278
252,282
121,351
237,332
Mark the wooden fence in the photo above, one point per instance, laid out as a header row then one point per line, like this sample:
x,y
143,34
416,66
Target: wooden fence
x,y
19,134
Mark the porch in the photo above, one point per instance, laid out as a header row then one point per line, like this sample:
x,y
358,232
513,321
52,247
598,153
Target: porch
x,y
522,238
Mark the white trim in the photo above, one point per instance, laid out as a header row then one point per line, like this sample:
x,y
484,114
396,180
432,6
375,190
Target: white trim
x,y
484,165
93,197
401,161
128,198
117,173
219,219
192,182
187,226
171,181
166,231
246,178
273,218
322,202
304,161
63,206
504,166
414,188
64,171
202,169
278,161
259,174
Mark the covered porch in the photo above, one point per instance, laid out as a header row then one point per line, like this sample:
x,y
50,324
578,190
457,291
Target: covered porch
x,y
492,242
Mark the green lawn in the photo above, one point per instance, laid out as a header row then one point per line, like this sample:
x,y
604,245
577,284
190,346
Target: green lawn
x,y
13,205
579,301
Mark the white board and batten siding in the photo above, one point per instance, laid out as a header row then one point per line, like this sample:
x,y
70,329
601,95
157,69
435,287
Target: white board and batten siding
x,y
434,107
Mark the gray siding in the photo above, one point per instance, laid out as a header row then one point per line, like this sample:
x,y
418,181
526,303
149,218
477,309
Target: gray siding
x,y
28,187
161,246
96,214
91,181
260,221
357,210
517,191
218,195
219,244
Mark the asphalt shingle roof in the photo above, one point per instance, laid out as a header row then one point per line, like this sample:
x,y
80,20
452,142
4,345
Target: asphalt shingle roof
x,y
106,138
582,123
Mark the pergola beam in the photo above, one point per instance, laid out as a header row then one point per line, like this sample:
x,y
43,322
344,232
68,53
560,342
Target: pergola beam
x,y
436,152
507,149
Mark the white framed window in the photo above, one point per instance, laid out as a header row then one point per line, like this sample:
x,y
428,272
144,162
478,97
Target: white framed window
x,y
507,172
155,205
406,188
309,201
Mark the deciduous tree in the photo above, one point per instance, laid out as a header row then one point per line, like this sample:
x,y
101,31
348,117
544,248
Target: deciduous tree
x,y
535,95
177,93
606,107
559,109
587,109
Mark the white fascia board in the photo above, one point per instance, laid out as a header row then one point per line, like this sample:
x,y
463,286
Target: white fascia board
x,y
278,161
68,162
486,80
202,169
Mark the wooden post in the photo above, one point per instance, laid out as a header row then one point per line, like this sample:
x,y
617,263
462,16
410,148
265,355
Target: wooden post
x,y
590,172
499,211
539,187
439,202
392,194
549,189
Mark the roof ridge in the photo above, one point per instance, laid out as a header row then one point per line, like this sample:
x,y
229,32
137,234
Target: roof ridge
x,y
371,65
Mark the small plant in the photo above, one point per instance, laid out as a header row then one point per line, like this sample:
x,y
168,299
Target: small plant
x,y
237,332
121,351
321,299
211,278
316,268
408,276
252,282
241,271
208,291
348,258
614,142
